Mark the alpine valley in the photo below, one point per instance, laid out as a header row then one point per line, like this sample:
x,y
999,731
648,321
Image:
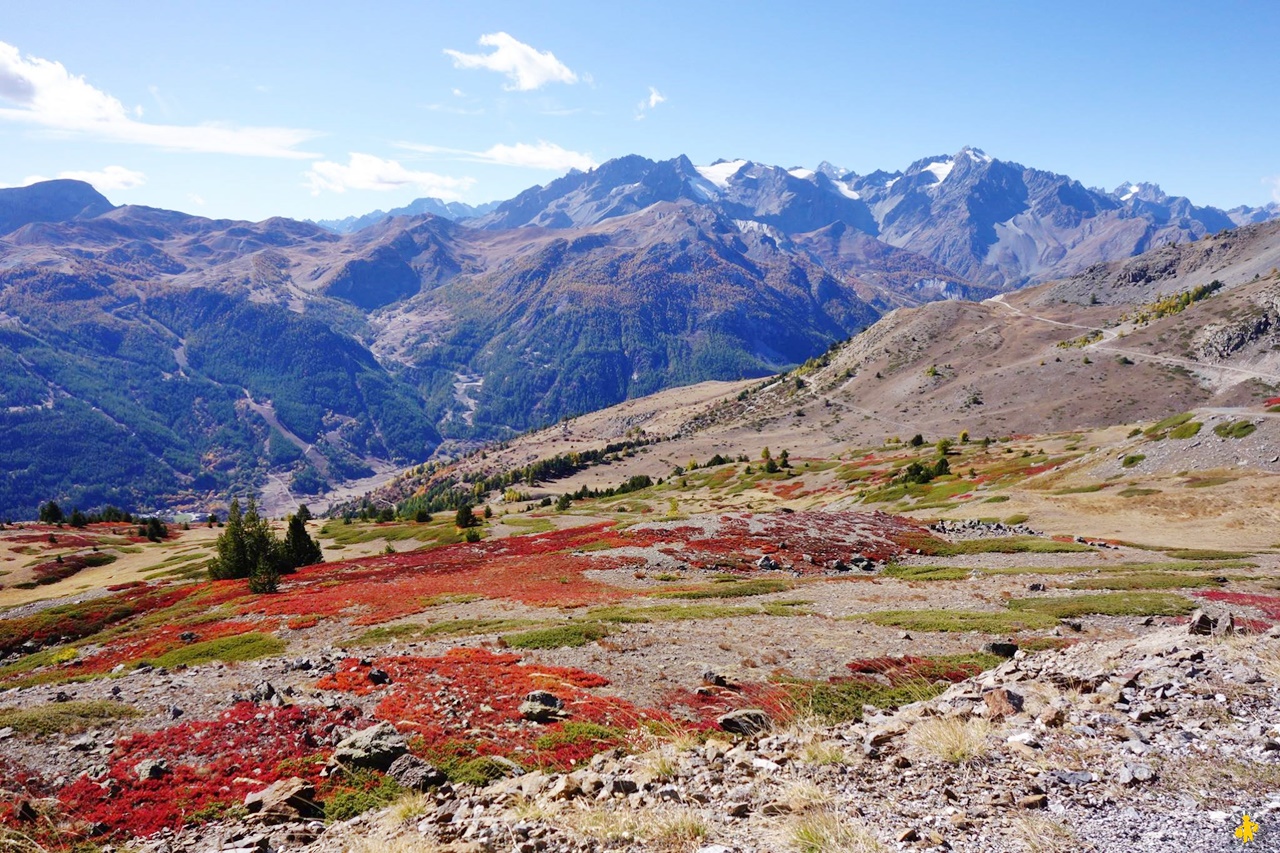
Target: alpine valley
x,y
160,361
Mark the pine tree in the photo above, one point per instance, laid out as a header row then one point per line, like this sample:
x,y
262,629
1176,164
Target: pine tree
x,y
51,513
465,517
264,578
248,549
232,560
299,548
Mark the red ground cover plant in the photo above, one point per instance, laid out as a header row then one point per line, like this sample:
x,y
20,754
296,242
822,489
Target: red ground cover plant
x,y
81,620
465,704
785,698
550,569
1268,605
188,604
211,763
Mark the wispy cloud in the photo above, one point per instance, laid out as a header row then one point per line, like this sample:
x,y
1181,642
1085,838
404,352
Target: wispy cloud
x,y
43,93
1274,181
366,172
104,180
655,98
526,67
453,110
543,155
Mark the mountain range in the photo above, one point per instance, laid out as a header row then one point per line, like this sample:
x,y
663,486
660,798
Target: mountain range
x,y
155,359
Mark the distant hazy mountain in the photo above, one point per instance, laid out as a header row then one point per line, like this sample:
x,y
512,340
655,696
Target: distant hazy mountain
x,y
984,220
49,201
454,210
149,357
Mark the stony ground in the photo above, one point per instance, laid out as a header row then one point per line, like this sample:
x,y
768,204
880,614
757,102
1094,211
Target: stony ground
x,y
1159,742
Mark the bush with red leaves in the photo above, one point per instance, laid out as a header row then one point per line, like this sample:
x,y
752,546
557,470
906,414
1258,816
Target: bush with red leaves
x,y
466,703
210,763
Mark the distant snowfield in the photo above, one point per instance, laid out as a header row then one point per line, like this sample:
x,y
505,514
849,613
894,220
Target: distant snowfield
x,y
941,170
720,173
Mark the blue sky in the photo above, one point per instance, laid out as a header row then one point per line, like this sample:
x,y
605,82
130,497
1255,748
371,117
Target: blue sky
x,y
317,110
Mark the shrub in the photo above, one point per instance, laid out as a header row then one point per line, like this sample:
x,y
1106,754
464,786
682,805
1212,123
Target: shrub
x,y
1105,604
1237,429
368,791
561,636
1187,430
925,573
732,589
1132,459
241,647
985,621
65,717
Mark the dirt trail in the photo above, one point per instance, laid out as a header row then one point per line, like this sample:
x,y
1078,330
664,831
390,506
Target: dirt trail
x,y
1111,335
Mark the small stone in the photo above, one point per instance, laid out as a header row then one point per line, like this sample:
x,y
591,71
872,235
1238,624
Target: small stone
x,y
1002,702
286,800
715,679
1201,623
1004,650
415,774
1132,774
151,768
1033,801
379,676
909,834
745,721
542,706
738,809
375,748
564,788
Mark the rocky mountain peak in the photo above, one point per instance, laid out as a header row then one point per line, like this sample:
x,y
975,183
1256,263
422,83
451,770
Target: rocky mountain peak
x,y
50,201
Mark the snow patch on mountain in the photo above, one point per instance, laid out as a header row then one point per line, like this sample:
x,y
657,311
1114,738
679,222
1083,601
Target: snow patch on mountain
x,y
846,191
721,171
801,173
941,169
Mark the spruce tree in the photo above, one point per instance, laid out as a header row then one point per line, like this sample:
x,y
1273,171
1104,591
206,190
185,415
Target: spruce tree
x,y
299,548
264,578
232,560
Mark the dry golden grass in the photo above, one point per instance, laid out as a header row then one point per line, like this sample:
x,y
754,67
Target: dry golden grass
x,y
828,832
410,842
678,833
1041,834
801,797
951,739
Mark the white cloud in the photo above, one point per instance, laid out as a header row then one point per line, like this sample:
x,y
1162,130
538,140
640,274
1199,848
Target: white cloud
x,y
527,67
196,199
655,98
1274,181
104,180
43,93
366,172
543,155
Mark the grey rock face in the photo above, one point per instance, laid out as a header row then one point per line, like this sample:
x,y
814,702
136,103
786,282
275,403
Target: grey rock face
x,y
375,748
